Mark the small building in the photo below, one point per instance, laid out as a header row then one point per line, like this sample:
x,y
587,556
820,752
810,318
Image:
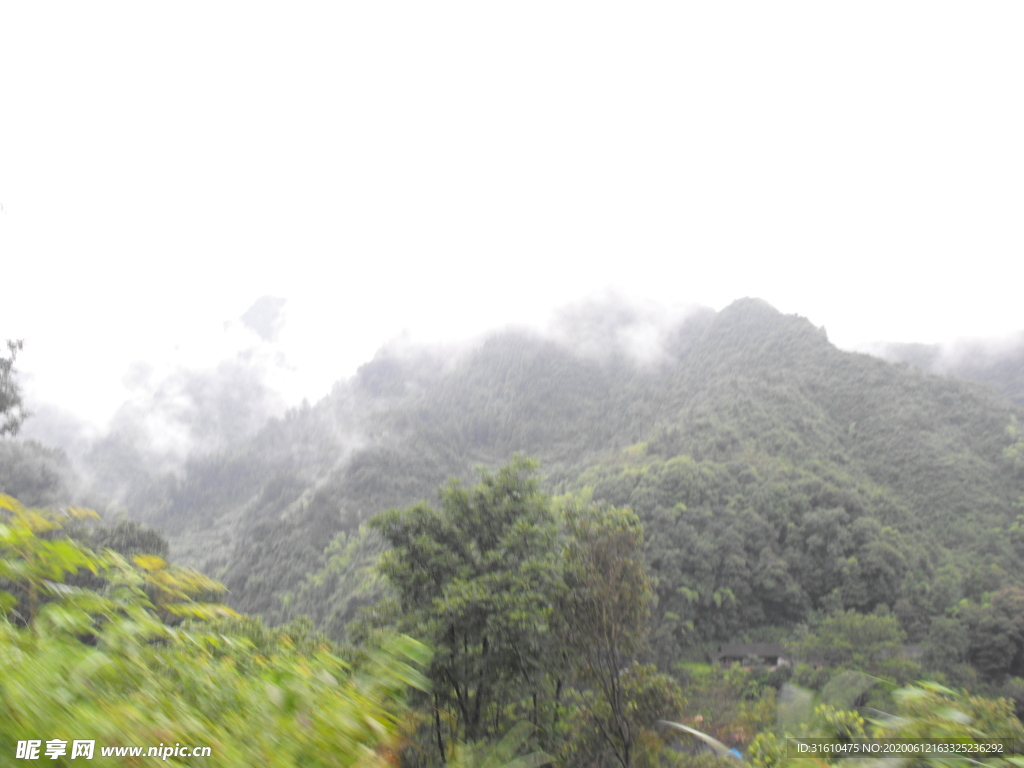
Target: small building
x,y
769,654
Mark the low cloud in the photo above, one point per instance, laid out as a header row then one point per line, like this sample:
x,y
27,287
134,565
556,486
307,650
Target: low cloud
x,y
615,326
265,317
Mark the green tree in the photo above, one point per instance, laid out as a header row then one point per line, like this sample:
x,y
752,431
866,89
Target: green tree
x,y
605,611
732,704
478,579
36,474
651,697
501,754
130,537
12,411
1014,453
868,643
945,650
996,634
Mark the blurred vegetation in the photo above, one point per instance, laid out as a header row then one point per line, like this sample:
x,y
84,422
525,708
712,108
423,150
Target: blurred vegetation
x,y
106,664
925,711
12,409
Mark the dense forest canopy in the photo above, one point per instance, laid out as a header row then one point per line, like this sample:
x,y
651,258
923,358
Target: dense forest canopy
x,y
747,481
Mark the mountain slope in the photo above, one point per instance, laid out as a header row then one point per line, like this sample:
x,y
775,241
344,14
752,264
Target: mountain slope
x,y
790,476
997,365
775,474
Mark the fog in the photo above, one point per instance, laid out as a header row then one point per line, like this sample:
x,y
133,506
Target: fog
x,y
997,361
226,211
171,411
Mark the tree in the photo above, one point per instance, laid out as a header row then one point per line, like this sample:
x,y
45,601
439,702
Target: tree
x,y
36,474
1014,453
605,611
478,580
869,643
12,411
652,696
945,650
731,704
130,537
996,634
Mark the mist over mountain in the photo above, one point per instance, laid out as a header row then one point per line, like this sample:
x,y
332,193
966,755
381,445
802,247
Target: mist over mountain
x,y
174,410
996,363
776,475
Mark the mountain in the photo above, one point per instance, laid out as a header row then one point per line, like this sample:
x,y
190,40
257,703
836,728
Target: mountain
x,y
407,421
775,474
788,476
999,365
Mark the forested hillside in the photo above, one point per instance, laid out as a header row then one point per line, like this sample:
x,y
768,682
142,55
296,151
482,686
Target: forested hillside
x,y
797,477
751,481
790,457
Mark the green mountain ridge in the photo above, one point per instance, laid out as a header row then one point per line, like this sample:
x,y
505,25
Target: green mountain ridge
x,y
922,436
798,477
775,474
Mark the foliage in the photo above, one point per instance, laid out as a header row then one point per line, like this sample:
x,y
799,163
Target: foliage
x,y
732,704
129,537
348,582
1014,453
80,663
868,643
922,711
516,615
995,634
36,474
932,711
478,580
741,545
602,736
605,610
499,754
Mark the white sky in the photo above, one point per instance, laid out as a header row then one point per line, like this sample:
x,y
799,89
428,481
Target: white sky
x,y
449,167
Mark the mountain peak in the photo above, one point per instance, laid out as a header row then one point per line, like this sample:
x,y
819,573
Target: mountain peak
x,y
753,328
